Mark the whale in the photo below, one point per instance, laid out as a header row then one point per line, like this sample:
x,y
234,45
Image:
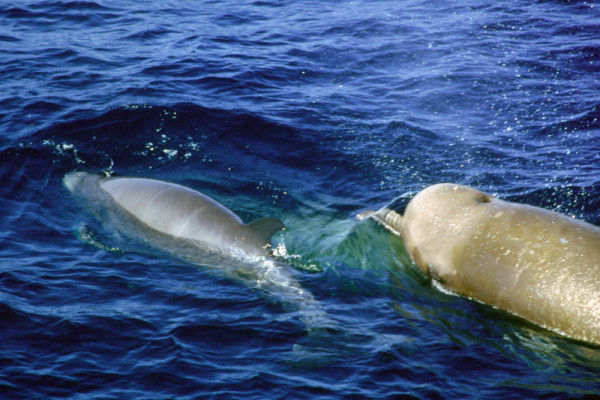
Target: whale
x,y
191,226
531,262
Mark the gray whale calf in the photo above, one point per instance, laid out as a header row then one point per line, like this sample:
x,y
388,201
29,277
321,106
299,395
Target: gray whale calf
x,y
532,262
189,225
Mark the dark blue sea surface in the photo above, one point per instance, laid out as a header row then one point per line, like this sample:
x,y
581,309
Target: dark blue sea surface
x,y
310,112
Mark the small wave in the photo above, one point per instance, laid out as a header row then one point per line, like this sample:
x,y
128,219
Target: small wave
x,y
236,19
71,5
19,13
9,39
59,53
149,35
581,30
161,70
220,84
585,121
71,12
41,106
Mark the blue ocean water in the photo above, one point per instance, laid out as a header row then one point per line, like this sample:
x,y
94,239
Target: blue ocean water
x,y
307,111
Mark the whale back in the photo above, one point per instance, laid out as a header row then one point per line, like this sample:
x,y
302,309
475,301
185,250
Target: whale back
x,y
182,212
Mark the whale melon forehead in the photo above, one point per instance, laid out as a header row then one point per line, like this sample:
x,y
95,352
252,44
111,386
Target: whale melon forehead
x,y
456,193
444,205
439,220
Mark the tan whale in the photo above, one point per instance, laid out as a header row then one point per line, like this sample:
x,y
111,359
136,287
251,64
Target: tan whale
x,y
532,262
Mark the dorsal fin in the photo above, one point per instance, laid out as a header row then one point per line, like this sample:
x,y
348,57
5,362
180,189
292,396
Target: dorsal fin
x,y
264,228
